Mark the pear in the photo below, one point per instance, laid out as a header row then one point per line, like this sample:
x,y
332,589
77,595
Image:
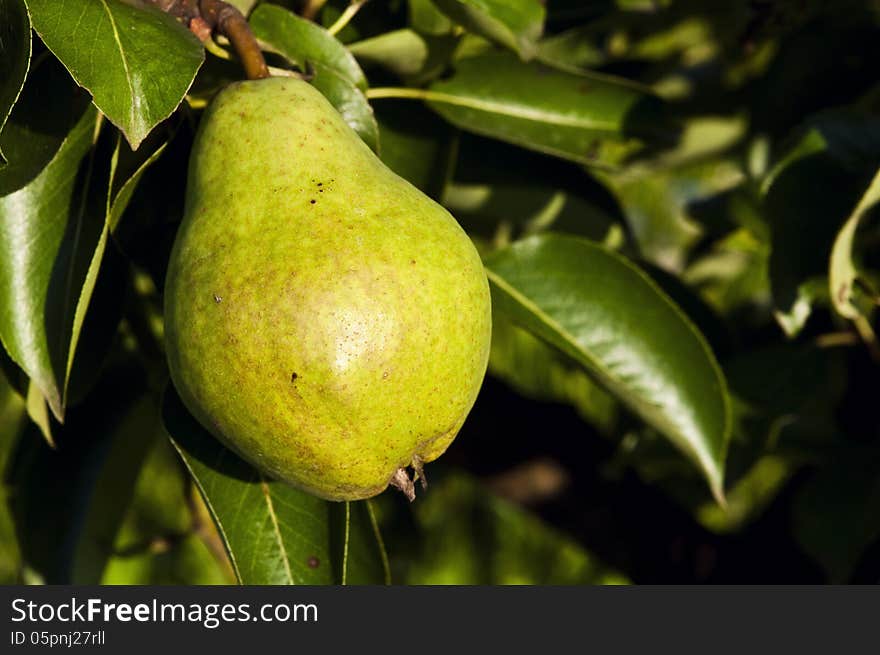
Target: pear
x,y
324,318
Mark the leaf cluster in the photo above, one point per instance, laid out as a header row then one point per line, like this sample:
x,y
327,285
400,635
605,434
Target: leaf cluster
x,y
676,202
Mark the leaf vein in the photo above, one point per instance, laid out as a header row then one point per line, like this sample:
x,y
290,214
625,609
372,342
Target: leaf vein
x,y
268,496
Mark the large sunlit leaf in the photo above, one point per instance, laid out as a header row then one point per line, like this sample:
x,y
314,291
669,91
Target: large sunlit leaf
x,y
49,233
538,370
783,399
274,534
517,24
15,56
590,119
335,72
607,315
135,60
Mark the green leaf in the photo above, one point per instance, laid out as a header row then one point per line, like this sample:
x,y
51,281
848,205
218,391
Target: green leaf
x,y
311,48
538,370
836,150
607,315
125,182
783,398
98,330
38,412
406,53
274,534
305,43
842,273
586,118
575,49
98,313
351,103
749,497
530,193
36,128
516,24
470,536
659,206
15,56
49,233
137,62
733,274
427,19
54,238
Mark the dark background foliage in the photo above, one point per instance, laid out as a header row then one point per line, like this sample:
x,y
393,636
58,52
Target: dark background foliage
x,y
684,192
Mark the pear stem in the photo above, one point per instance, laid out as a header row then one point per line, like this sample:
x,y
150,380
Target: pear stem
x,y
401,480
203,17
230,22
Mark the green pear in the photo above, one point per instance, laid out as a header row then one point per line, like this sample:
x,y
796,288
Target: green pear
x,y
324,318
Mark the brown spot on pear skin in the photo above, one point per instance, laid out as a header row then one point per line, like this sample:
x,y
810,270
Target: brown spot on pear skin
x,y
313,562
294,376
217,299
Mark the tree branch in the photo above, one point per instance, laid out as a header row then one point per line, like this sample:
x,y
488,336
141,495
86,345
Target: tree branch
x,y
203,17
